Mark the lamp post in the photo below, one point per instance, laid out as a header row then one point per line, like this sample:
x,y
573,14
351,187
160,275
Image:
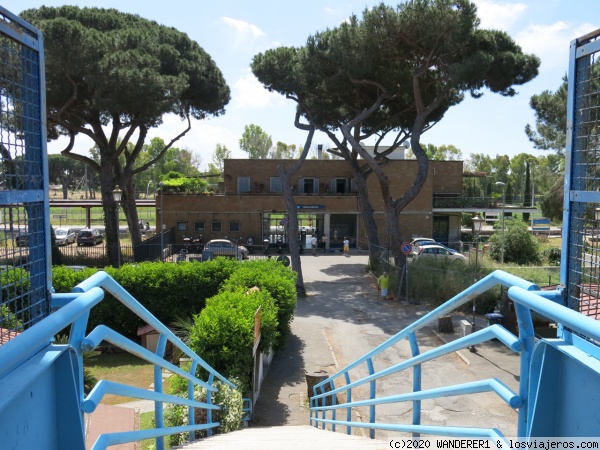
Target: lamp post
x,y
162,251
117,194
477,225
500,183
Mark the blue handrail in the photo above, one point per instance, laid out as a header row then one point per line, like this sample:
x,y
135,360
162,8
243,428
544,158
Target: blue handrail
x,y
526,296
73,309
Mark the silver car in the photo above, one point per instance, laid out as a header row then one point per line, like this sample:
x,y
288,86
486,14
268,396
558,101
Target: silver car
x,y
65,236
223,247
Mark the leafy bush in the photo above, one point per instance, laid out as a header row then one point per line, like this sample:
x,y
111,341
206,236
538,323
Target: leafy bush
x,y
14,283
520,246
186,185
552,255
278,281
8,320
223,333
166,290
230,415
436,281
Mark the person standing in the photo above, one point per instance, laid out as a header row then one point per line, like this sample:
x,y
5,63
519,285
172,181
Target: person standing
x,y
324,243
346,247
313,244
384,283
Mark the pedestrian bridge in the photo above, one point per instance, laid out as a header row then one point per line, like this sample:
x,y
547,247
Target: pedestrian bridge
x,y
42,400
43,403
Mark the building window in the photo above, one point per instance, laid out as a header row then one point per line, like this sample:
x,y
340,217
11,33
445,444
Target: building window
x,y
276,184
243,184
308,185
199,226
181,226
234,225
216,225
339,185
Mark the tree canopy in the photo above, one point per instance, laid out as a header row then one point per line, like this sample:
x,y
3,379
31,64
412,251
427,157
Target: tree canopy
x,y
551,119
111,76
394,73
256,142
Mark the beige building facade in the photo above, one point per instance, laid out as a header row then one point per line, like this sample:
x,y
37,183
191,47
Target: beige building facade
x,y
251,203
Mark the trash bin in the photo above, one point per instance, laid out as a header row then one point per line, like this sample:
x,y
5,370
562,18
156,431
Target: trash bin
x,y
494,319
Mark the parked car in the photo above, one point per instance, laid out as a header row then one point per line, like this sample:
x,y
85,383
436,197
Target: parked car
x,y
223,247
89,236
437,251
22,239
418,242
65,236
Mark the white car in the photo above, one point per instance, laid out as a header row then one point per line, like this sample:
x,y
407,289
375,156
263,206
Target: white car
x,y
420,241
65,236
437,251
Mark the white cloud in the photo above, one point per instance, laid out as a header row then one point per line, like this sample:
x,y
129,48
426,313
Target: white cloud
x,y
250,93
244,28
551,42
499,16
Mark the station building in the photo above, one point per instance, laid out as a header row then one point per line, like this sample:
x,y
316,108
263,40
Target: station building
x,y
250,203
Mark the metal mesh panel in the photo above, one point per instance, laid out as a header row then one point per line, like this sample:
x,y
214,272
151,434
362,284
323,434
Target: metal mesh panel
x,y
24,255
583,180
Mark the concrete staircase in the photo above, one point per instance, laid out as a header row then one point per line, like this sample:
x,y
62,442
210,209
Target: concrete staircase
x,y
286,437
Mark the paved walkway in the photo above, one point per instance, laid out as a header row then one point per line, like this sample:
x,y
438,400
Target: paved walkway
x,y
341,319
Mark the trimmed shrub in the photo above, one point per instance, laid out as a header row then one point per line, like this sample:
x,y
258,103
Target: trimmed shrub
x,y
166,290
223,333
280,282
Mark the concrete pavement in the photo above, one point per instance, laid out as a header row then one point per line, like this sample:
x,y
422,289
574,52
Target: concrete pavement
x,y
341,319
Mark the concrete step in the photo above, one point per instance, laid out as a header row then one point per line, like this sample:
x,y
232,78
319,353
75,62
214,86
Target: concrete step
x,y
286,437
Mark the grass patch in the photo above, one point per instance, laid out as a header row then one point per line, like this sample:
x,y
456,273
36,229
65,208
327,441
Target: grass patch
x,y
147,423
123,368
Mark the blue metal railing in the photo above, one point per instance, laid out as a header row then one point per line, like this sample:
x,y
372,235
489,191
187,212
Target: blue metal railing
x,y
526,297
74,310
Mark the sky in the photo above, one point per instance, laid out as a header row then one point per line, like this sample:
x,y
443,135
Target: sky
x,y
233,31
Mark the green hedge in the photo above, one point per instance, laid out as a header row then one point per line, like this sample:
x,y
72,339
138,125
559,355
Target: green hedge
x,y
223,333
168,291
279,281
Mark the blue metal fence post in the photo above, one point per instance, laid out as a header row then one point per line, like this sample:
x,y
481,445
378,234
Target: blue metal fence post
x,y
348,400
414,346
158,406
209,400
372,395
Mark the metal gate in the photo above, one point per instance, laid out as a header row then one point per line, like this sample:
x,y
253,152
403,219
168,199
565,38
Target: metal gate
x,y
580,265
24,207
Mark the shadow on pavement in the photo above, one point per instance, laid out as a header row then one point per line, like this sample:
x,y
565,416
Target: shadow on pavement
x,y
287,369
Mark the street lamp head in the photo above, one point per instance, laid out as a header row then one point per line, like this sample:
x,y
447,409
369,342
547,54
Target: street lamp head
x,y
117,193
477,224
500,183
597,213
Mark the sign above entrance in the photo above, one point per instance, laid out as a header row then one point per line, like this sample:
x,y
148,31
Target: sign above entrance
x,y
310,206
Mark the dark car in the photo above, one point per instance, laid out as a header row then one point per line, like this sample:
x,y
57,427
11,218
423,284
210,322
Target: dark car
x,y
22,239
89,236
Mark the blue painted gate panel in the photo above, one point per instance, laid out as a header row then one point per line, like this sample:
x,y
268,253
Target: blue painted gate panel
x,y
24,204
